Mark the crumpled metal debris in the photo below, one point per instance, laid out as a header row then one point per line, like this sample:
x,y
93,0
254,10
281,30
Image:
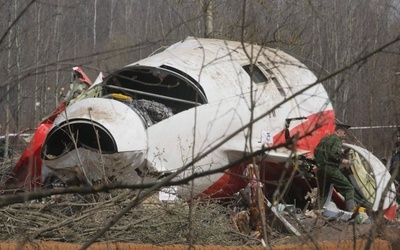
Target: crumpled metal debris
x,y
151,111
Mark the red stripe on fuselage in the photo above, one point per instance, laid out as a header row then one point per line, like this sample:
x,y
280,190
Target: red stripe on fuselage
x,y
318,125
27,172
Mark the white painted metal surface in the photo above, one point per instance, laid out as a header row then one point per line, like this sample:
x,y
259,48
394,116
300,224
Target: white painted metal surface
x,y
217,66
221,130
121,121
238,115
380,174
126,128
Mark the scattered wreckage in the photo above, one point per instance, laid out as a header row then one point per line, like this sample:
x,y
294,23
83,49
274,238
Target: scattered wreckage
x,y
202,107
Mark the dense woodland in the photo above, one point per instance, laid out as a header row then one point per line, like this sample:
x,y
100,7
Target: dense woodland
x,y
356,42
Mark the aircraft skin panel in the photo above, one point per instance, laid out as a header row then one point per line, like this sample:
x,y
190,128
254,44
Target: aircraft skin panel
x,y
218,68
112,115
230,81
82,164
214,98
221,187
222,119
219,182
226,81
320,101
181,141
379,173
318,125
75,156
221,76
27,172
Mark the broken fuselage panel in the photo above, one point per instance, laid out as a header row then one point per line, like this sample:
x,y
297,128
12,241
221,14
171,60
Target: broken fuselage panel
x,y
208,100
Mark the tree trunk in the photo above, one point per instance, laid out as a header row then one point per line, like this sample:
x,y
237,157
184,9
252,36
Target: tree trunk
x,y
208,17
37,102
58,51
18,64
94,25
7,105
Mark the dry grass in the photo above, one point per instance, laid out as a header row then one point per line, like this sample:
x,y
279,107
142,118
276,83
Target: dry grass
x,y
75,218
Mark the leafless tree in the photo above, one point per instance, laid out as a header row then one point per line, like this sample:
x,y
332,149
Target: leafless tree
x,y
42,40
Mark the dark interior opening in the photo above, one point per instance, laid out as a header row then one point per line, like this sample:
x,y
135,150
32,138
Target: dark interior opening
x,y
165,85
77,134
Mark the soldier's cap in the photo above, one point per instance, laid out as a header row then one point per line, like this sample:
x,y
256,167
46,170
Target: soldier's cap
x,y
342,126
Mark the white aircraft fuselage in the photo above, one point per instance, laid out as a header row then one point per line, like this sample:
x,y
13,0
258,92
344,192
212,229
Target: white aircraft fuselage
x,y
208,100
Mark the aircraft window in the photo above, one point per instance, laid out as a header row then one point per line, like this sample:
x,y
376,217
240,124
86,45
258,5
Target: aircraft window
x,y
273,78
257,75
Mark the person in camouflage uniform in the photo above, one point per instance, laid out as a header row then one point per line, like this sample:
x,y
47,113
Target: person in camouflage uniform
x,y
328,156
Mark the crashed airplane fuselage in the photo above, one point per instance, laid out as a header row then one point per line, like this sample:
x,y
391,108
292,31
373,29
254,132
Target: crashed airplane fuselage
x,y
203,100
208,88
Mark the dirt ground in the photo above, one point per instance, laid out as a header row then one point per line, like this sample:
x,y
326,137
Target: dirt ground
x,y
323,229
343,245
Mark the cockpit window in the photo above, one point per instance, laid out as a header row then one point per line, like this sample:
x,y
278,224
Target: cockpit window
x,y
261,74
164,85
256,74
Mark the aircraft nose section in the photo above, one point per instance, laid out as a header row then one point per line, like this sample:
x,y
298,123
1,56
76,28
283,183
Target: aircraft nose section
x,y
96,139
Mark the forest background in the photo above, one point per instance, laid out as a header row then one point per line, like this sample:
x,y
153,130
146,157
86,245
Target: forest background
x,y
41,40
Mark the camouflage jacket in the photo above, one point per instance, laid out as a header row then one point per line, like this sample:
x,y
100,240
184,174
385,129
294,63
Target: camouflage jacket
x,y
328,151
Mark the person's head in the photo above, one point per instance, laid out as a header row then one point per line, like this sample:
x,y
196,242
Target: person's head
x,y
341,130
